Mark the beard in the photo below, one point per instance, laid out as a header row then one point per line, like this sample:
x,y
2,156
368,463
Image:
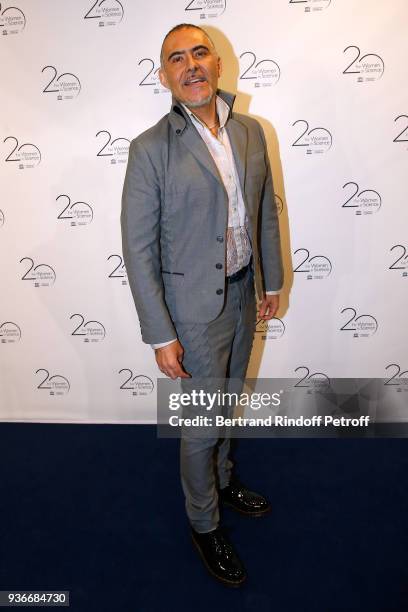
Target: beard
x,y
198,103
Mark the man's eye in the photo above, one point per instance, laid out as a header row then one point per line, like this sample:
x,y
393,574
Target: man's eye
x,y
177,58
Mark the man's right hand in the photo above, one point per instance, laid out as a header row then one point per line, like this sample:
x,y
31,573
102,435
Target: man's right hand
x,y
169,359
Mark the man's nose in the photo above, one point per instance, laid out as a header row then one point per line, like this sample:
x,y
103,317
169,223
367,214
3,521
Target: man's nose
x,y
191,62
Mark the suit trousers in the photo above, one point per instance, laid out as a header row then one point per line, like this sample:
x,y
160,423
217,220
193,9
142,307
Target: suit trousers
x,y
216,350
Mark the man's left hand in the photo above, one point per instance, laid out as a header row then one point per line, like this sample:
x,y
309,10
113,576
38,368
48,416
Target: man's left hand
x,y
268,307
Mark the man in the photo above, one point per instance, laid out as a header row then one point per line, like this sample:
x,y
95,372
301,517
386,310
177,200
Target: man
x,y
198,221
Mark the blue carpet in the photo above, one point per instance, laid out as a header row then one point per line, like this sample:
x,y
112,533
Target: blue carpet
x,y
98,510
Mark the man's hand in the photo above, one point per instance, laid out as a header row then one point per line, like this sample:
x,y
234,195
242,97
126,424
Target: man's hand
x,y
169,359
268,307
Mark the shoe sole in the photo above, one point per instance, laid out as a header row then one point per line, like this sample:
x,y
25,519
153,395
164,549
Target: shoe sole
x,y
254,514
229,583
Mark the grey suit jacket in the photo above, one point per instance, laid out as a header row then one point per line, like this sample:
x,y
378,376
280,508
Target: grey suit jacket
x,y
174,220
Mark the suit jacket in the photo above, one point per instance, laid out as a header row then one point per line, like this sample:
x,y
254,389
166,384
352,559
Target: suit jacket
x,y
174,220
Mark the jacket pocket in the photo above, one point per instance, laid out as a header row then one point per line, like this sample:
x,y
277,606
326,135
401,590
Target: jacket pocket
x,y
172,278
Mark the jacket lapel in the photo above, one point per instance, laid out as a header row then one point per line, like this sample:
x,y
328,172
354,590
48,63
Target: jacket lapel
x,y
185,130
196,145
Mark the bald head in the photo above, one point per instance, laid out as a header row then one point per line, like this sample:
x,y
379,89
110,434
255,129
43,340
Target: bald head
x,y
184,26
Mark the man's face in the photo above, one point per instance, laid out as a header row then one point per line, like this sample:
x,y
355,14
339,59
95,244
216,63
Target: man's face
x,y
191,67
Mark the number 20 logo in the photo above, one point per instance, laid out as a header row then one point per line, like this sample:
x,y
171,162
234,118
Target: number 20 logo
x,y
97,10
402,136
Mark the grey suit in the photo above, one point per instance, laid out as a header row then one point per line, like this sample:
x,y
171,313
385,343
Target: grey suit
x,y
174,221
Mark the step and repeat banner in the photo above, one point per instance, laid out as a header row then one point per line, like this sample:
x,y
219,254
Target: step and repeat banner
x,y
328,81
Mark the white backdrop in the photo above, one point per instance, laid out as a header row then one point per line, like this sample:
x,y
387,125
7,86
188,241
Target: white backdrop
x,y
327,80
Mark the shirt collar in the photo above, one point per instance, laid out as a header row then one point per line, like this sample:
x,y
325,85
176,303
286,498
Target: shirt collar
x,y
223,111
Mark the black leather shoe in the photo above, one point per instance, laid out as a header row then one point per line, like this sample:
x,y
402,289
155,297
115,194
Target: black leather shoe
x,y
219,557
240,499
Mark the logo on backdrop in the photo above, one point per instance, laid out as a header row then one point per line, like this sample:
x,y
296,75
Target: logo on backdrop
x,y
361,326
42,275
150,76
54,385
12,20
279,204
106,12
317,267
364,68
27,155
273,329
91,331
207,9
118,268
262,73
317,140
139,385
397,378
314,381
117,149
67,86
403,135
9,332
2,218
365,202
78,213
311,6
400,259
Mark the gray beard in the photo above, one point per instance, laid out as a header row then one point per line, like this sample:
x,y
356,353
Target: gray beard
x,y
204,102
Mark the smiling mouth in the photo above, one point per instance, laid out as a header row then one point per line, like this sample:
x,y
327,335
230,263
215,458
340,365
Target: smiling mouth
x,y
195,81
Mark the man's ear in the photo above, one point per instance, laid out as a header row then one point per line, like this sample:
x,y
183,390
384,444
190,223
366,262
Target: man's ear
x,y
219,67
163,78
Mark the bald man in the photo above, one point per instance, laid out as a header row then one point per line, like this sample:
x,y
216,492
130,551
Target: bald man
x,y
200,228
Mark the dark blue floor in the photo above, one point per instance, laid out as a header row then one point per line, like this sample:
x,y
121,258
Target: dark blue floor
x,y
98,510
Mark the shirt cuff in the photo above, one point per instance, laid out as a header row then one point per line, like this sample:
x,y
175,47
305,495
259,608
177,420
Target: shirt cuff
x,y
162,344
273,292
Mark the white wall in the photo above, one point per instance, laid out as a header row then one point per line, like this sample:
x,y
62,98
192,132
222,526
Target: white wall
x,y
49,374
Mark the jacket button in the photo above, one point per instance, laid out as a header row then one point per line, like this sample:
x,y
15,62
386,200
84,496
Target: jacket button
x,y
219,291
178,131
220,238
218,266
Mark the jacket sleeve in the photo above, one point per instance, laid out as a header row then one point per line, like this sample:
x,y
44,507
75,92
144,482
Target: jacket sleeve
x,y
270,251
140,222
